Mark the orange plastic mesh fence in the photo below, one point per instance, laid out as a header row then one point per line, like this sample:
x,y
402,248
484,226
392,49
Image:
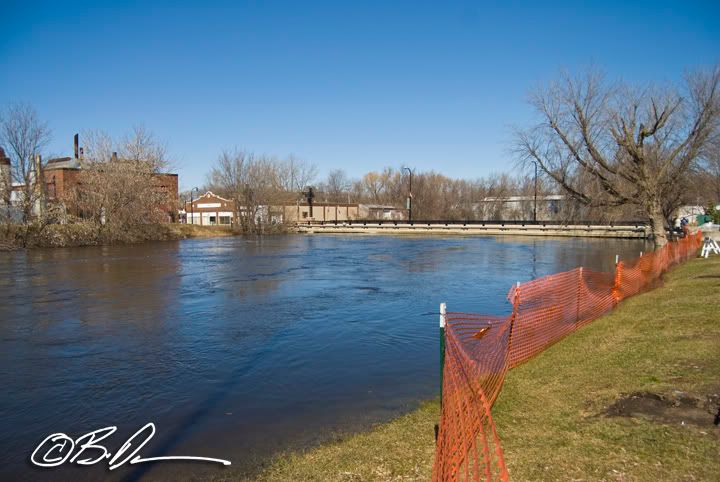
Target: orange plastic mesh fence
x,y
479,350
468,447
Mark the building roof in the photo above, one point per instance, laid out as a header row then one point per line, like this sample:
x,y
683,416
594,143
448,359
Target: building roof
x,y
211,194
382,206
315,204
548,197
62,163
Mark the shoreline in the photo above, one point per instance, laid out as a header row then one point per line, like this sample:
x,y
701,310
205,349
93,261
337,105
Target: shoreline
x,y
631,395
86,234
17,237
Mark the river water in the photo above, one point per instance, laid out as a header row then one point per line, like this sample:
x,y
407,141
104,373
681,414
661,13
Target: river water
x,y
239,348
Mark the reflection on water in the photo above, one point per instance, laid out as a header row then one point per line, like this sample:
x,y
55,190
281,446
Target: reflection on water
x,y
237,348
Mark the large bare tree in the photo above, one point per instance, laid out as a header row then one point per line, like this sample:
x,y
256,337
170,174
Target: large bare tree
x,y
252,181
708,174
23,136
118,181
609,144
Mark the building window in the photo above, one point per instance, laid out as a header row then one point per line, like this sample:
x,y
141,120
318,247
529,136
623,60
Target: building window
x,y
212,220
224,219
305,214
554,206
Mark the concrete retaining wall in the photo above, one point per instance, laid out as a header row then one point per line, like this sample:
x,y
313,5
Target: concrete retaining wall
x,y
598,231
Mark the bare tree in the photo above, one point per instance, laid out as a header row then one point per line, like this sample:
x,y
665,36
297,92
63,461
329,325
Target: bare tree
x,y
499,188
381,187
118,182
295,174
141,145
608,144
336,186
707,176
228,178
98,145
251,181
23,136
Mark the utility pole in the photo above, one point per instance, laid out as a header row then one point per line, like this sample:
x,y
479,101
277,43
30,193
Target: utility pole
x,y
409,199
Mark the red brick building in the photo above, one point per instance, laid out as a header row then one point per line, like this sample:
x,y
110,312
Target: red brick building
x,y
62,176
210,210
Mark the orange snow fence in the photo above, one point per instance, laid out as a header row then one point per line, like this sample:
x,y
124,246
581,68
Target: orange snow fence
x,y
479,350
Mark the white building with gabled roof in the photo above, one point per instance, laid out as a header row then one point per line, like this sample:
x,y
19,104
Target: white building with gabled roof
x,y
211,210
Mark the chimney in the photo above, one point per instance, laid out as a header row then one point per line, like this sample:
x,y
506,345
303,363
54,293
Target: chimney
x,y
5,178
82,155
114,156
40,184
76,144
38,169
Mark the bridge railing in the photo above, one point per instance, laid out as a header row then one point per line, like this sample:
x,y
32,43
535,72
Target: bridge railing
x,y
419,223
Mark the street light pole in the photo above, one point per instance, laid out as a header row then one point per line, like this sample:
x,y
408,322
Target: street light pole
x,y
192,209
409,203
535,196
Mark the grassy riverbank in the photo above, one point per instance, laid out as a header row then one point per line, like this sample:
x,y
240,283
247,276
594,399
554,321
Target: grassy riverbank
x,y
183,231
629,397
88,234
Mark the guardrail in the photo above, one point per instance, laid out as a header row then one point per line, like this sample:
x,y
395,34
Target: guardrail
x,y
624,229
385,222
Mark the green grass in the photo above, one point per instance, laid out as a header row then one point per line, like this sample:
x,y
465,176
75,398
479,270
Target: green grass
x,y
551,413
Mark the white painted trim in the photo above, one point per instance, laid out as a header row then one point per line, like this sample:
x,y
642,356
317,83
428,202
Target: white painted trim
x,y
210,193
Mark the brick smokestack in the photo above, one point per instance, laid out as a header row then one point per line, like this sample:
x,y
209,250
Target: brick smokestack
x,y
76,145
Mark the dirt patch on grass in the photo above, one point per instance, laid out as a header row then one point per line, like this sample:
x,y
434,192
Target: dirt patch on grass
x,y
675,408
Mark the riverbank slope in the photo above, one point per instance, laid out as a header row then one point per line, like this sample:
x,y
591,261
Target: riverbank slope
x,y
87,234
631,396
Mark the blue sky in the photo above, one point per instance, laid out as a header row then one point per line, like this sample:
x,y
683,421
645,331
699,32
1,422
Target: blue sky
x,y
354,85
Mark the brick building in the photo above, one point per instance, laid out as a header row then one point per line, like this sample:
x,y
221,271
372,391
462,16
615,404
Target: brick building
x,y
62,175
329,211
210,210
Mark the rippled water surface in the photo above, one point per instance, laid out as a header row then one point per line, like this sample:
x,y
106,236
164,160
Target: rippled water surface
x,y
237,348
